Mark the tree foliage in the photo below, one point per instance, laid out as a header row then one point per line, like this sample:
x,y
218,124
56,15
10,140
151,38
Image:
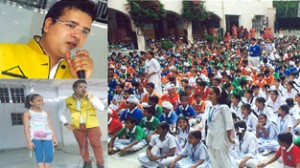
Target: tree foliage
x,y
285,9
143,12
194,10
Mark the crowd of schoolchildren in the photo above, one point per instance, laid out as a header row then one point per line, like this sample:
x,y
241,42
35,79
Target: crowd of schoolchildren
x,y
217,109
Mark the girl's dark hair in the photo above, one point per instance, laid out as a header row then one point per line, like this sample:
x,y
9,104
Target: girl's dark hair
x,y
30,98
186,120
131,120
285,108
293,83
237,96
76,83
154,99
223,97
86,6
150,84
240,124
285,137
263,115
261,100
129,91
290,102
165,126
247,107
121,85
196,134
275,92
249,91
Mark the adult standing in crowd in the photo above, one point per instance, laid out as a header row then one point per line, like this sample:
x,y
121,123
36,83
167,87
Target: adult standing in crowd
x,y
153,72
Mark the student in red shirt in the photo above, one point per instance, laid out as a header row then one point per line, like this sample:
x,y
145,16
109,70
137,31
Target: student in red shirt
x,y
289,152
114,125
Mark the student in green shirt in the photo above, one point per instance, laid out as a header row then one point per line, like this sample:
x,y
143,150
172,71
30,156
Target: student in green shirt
x,y
129,139
238,78
149,122
153,101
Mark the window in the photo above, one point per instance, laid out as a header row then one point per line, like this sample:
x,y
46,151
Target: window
x,y
16,119
17,95
4,96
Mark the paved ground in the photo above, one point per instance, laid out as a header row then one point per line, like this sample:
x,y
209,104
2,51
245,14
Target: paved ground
x,y
130,161
64,157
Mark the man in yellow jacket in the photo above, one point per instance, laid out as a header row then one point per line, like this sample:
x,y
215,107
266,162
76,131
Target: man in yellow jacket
x,y
85,125
66,27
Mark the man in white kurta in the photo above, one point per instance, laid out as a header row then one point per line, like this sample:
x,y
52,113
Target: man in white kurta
x,y
219,122
153,72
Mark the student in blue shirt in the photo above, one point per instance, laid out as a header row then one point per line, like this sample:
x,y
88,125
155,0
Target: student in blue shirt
x,y
185,109
133,110
168,115
254,53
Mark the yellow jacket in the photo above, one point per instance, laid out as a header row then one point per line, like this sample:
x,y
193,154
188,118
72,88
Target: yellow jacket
x,y
28,61
87,112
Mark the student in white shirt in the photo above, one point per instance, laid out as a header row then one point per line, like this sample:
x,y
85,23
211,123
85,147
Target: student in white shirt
x,y
295,113
245,152
284,121
236,104
249,98
168,148
249,118
274,101
182,130
290,91
220,126
194,155
261,108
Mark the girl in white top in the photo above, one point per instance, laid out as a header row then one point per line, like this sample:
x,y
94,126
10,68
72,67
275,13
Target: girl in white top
x,y
182,130
249,98
38,130
236,105
290,91
284,120
194,155
168,148
261,108
294,113
277,86
275,100
220,126
245,153
249,118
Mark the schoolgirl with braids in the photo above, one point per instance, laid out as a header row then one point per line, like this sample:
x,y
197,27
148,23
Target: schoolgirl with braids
x,y
290,90
278,85
295,112
39,131
275,100
182,130
220,128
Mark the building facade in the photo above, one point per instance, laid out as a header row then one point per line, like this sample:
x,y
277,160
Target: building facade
x,y
225,13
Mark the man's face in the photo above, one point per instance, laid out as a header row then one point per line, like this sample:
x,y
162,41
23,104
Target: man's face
x,y
80,90
61,37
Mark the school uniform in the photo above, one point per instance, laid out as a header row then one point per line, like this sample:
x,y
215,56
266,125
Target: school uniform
x,y
294,112
251,121
193,155
149,125
269,143
290,156
135,113
274,105
114,126
182,136
136,134
171,118
287,94
117,97
247,147
271,115
164,147
237,109
219,120
251,101
158,110
284,123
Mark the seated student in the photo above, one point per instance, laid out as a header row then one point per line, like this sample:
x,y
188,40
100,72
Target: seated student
x,y
202,89
249,118
185,109
265,92
261,108
133,138
290,91
150,92
153,101
183,84
199,106
266,132
168,148
149,122
245,153
194,155
284,120
294,112
190,95
260,80
132,109
114,125
168,114
118,97
249,98
172,96
274,101
289,152
236,104
182,130
237,79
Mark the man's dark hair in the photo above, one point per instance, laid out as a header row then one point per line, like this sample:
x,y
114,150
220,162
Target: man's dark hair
x,y
76,83
57,10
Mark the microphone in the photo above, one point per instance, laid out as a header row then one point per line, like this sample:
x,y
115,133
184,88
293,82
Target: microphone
x,y
80,73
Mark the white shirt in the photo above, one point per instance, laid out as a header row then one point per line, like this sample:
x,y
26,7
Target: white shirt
x,y
237,109
63,108
164,146
248,146
284,123
39,126
267,111
251,121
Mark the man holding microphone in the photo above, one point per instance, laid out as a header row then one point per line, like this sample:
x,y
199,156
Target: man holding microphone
x,y
85,126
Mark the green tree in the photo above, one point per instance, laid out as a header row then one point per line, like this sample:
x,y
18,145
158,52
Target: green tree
x,y
286,9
